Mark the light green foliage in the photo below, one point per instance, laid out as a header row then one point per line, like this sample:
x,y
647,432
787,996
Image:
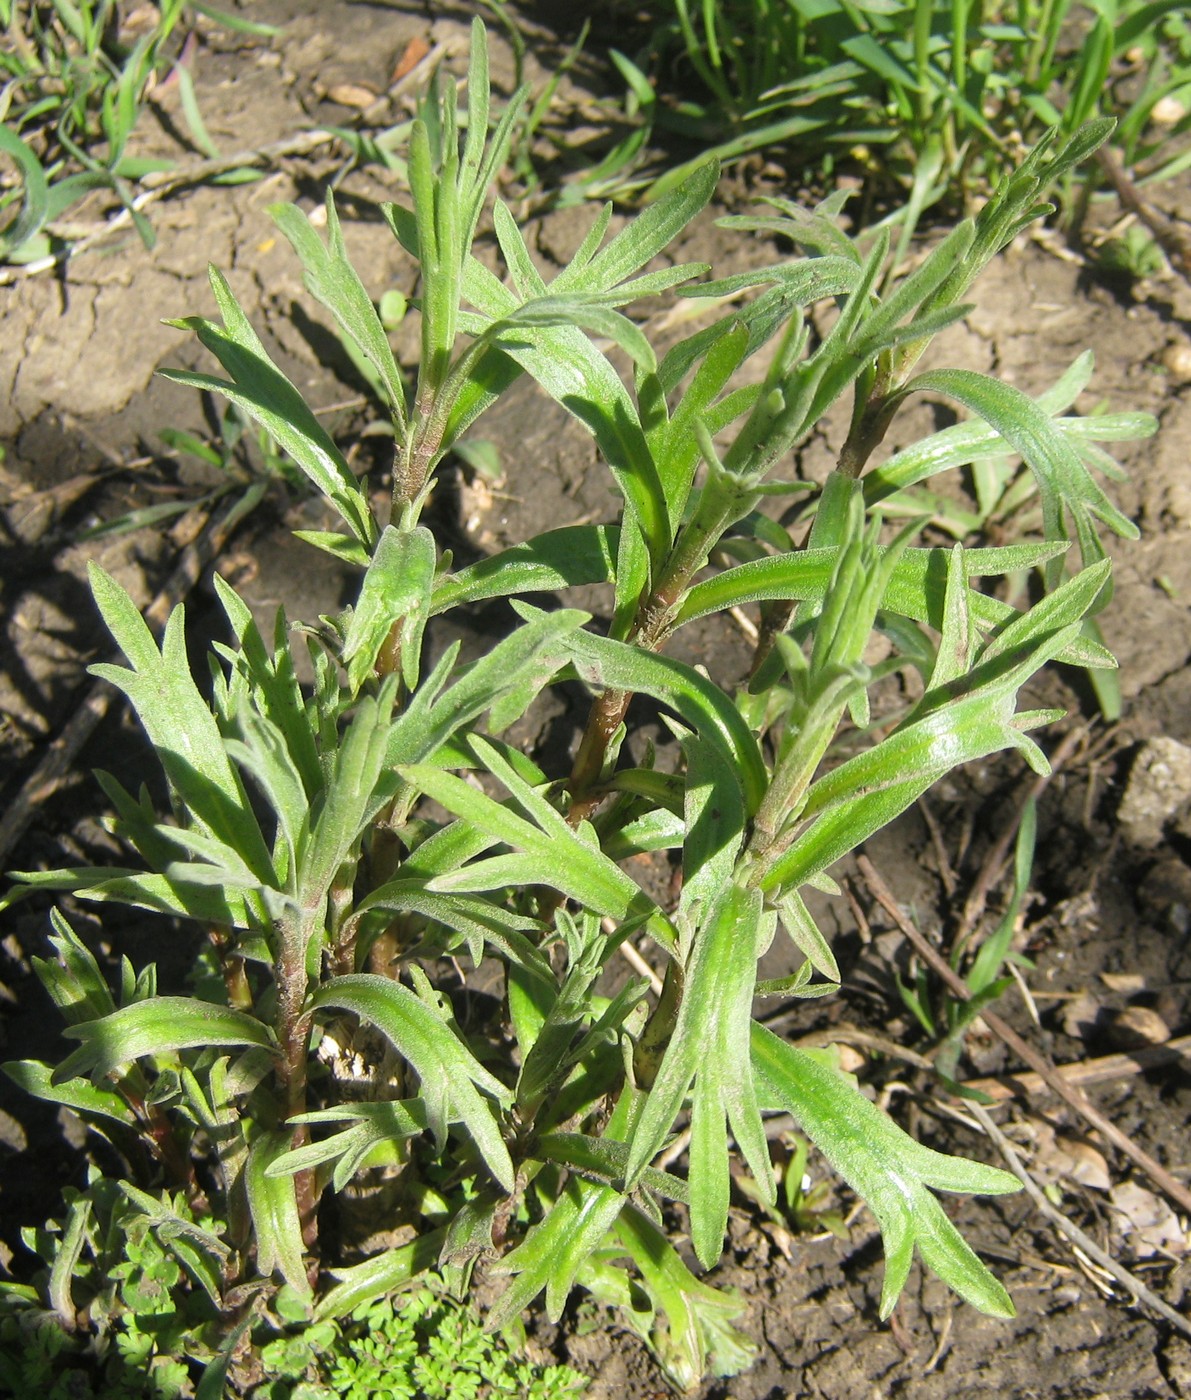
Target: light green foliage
x,y
131,1270
335,843
422,1345
130,1262
940,93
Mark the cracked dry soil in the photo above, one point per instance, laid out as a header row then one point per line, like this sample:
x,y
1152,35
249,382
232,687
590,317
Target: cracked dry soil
x,y
1110,916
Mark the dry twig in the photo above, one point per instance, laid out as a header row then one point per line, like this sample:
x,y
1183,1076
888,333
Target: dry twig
x,y
1141,1294
1168,233
1068,1092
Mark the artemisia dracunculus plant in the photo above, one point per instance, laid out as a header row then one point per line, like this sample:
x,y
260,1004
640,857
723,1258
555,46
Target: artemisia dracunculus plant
x,y
301,846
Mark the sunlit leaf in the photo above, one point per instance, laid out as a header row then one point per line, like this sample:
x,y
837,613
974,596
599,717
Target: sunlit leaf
x,y
442,1062
886,1168
162,1025
272,1202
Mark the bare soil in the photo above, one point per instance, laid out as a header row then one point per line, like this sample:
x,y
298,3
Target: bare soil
x,y
1110,915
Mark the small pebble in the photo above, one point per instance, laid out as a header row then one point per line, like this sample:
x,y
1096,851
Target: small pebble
x,y
1176,360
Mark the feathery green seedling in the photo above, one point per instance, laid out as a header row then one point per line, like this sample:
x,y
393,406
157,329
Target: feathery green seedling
x,y
333,844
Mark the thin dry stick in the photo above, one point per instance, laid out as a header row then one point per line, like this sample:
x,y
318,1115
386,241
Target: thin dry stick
x,y
1165,231
49,774
1141,1294
164,184
639,965
1071,1095
994,861
946,873
1098,1071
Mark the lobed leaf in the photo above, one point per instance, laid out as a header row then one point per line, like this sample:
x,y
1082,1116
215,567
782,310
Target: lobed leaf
x,y
864,794
698,1335
708,1048
886,1168
160,1026
547,850
604,662
259,387
521,663
442,1062
1063,480
179,723
554,1250
331,278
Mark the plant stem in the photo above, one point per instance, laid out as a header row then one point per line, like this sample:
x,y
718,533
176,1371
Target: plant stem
x,y
293,1035
720,506
866,433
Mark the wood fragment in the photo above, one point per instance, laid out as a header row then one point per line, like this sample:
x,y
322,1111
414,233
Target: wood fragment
x,y
1099,1071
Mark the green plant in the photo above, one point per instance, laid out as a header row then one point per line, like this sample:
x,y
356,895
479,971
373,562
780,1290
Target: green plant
x,y
423,1345
949,92
74,85
985,971
319,1048
245,462
142,1270
145,1274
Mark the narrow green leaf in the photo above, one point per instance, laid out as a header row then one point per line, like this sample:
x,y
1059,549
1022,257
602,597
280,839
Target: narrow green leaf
x,y
442,1062
35,203
259,387
698,1334
555,1249
526,660
396,589
885,1167
644,237
806,936
161,1026
608,1158
351,794
331,278
714,821
868,791
85,1098
564,558
378,1277
1062,478
576,375
76,985
179,723
707,1049
606,663
273,1205
551,853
